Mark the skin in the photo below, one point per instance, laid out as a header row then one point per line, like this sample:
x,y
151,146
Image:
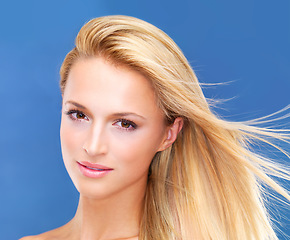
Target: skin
x,y
110,117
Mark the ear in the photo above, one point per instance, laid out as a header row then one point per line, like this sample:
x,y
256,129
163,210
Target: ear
x,y
171,134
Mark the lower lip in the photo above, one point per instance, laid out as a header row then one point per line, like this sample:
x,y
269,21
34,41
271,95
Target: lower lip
x,y
93,173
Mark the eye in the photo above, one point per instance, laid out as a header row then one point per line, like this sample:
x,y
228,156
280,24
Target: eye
x,y
77,115
126,124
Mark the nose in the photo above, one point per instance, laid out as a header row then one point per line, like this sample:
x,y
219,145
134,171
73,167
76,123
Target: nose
x,y
95,142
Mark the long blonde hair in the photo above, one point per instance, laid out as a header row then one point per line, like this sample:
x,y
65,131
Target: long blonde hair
x,y
208,184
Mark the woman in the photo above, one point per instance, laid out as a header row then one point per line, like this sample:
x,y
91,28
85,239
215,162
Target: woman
x,y
149,158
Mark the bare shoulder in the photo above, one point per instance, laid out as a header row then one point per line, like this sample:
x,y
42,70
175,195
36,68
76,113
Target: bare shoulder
x,y
36,237
61,233
31,238
50,235
26,238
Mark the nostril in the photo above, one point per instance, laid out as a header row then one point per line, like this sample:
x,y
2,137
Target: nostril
x,y
95,148
85,149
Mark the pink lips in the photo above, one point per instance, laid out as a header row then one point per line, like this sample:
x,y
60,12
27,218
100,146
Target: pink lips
x,y
93,170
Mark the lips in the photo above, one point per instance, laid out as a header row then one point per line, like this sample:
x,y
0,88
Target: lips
x,y
94,166
93,170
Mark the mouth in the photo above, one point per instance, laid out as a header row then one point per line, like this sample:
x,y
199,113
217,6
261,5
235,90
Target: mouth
x,y
93,170
97,169
94,166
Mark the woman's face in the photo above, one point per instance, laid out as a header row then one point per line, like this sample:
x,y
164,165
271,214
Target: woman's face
x,y
111,128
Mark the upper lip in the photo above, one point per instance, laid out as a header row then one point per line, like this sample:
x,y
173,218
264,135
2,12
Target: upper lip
x,y
94,165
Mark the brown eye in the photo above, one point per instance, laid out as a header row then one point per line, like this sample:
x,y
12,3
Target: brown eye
x,y
125,124
80,115
77,115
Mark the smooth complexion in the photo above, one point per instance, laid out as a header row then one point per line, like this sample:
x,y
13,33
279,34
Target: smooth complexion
x,y
111,128
110,118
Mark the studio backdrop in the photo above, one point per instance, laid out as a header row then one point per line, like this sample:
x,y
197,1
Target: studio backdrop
x,y
241,45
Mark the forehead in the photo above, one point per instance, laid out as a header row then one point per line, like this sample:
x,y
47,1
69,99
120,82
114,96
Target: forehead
x,y
94,81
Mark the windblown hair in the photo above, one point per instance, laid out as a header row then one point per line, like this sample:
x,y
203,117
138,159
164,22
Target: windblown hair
x,y
209,184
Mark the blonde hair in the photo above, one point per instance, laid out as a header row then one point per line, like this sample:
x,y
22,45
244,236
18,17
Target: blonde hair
x,y
208,184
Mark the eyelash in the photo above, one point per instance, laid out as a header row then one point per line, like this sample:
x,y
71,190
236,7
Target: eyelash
x,y
132,125
74,111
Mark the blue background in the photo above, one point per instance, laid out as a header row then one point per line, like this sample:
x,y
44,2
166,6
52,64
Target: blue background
x,y
246,42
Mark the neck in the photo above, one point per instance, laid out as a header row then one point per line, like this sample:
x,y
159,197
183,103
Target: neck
x,y
116,217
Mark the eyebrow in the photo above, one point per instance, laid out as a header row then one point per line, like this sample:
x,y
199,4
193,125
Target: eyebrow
x,y
118,114
76,104
124,114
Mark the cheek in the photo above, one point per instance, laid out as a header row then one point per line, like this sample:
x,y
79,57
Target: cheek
x,y
69,141
134,160
137,150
